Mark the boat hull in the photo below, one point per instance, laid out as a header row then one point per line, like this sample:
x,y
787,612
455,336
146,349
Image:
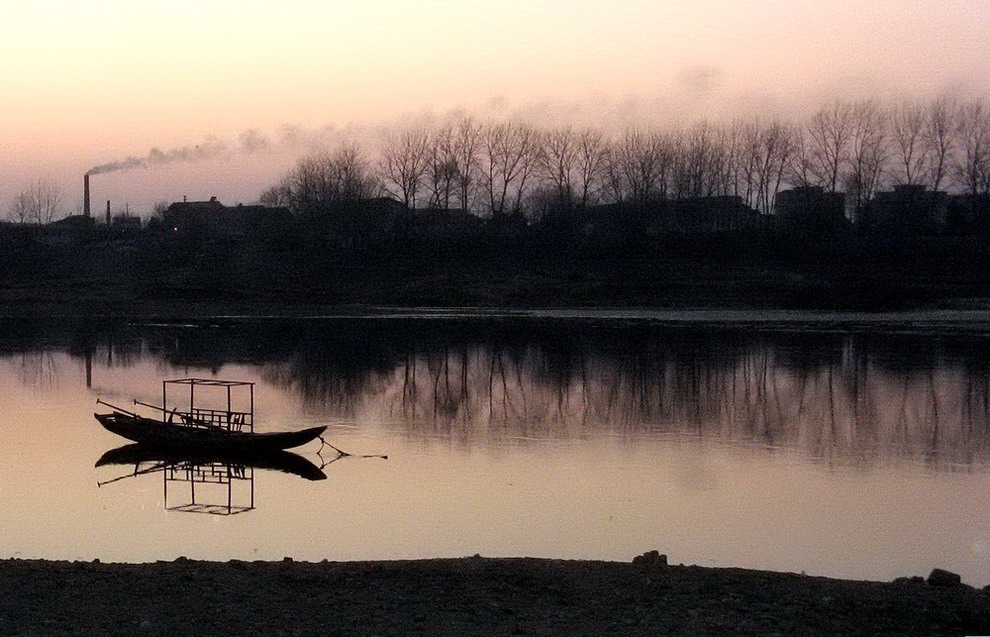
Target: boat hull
x,y
171,436
274,460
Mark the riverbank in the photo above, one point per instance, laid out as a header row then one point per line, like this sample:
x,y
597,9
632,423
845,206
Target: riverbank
x,y
486,297
468,596
149,280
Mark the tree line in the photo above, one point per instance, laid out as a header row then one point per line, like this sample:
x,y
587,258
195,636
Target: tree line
x,y
501,169
509,168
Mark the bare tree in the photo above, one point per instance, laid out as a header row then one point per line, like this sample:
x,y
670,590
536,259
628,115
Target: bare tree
x,y
21,209
324,181
867,151
777,145
48,198
278,195
38,203
738,168
750,158
760,154
571,168
973,169
940,139
722,163
908,128
799,171
543,203
531,146
591,158
699,161
828,139
466,152
441,167
509,154
559,164
403,163
640,166
613,187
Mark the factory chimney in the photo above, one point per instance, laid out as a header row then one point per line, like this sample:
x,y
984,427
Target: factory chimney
x,y
108,212
86,194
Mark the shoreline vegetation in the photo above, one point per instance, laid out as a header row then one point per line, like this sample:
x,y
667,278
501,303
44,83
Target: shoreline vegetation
x,y
863,206
523,293
151,275
471,596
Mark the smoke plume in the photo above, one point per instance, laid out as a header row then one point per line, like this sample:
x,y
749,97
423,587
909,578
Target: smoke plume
x,y
289,138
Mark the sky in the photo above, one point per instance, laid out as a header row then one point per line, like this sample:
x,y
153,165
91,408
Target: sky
x,y
234,92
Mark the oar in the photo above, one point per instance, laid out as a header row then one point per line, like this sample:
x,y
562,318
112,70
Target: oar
x,y
158,467
100,401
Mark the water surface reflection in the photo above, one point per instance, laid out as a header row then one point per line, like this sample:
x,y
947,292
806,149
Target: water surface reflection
x,y
225,481
844,397
858,448
840,395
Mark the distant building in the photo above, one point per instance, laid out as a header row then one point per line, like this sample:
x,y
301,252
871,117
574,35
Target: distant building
x,y
707,215
126,223
372,218
191,216
67,231
211,219
907,209
606,223
625,221
438,222
379,205
968,214
73,223
811,209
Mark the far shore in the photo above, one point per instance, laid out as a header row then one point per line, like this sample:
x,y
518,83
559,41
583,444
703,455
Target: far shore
x,y
179,311
471,596
514,298
863,280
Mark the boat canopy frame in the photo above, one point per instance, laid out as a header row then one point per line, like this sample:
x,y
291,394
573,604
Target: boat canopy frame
x,y
231,419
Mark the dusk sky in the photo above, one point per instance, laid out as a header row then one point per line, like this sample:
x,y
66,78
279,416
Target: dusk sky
x,y
84,84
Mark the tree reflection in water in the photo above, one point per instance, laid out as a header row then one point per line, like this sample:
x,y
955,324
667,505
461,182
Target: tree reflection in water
x,y
852,394
845,397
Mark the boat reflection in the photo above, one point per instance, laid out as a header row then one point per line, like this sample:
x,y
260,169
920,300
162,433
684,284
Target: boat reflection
x,y
212,482
849,390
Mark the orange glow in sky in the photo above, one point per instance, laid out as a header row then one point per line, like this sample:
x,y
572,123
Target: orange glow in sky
x,y
86,83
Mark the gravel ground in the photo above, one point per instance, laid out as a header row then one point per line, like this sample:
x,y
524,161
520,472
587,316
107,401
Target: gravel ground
x,y
468,596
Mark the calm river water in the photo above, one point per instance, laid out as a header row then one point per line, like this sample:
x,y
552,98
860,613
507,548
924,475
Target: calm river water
x,y
853,446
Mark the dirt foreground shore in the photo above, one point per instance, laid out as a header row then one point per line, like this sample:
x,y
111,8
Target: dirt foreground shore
x,y
469,596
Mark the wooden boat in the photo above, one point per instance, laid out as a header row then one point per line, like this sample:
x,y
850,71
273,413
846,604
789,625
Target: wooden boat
x,y
225,425
162,434
159,457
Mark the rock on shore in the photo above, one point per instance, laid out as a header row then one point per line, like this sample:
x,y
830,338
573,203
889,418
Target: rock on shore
x,y
468,596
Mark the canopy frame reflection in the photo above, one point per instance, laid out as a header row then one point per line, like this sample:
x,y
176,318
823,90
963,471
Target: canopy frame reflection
x,y
221,474
219,483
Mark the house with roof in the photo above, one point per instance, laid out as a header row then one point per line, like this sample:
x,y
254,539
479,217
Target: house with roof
x,y
906,209
707,215
811,209
212,219
968,213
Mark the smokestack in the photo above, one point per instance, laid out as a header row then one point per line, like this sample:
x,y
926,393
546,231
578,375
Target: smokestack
x,y
86,194
108,212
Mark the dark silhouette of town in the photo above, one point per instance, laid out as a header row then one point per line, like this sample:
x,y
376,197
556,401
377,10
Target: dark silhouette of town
x,y
863,206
